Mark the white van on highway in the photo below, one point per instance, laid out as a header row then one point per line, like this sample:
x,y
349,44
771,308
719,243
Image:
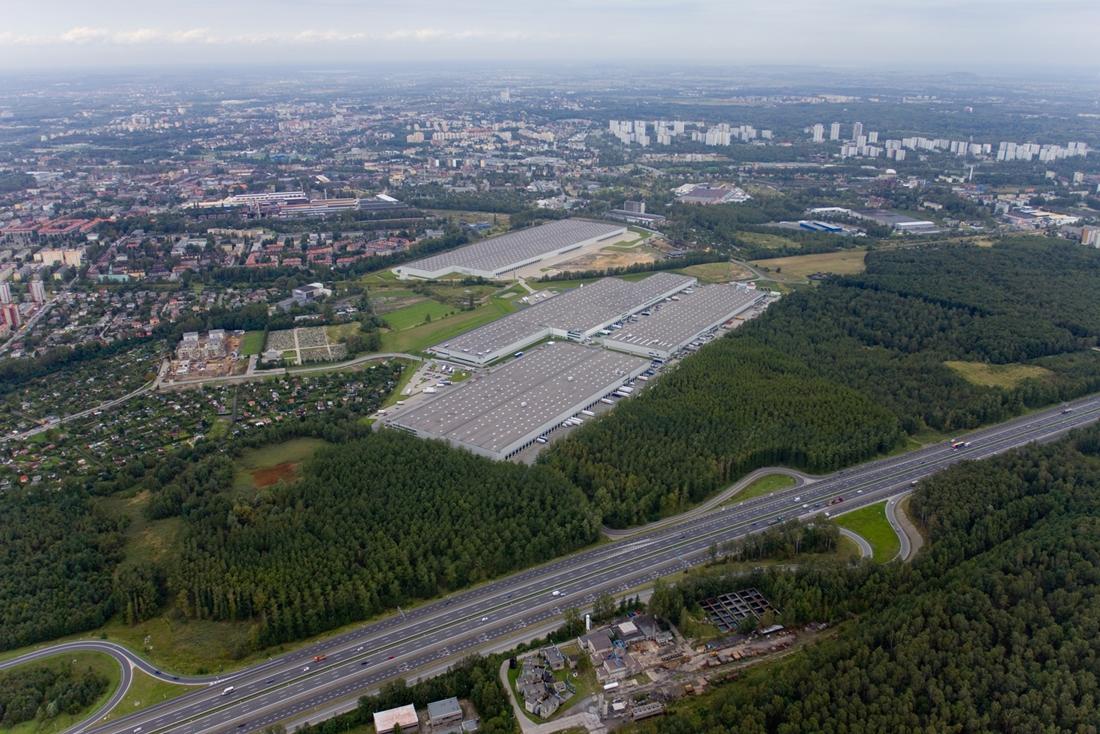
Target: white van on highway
x,y
227,690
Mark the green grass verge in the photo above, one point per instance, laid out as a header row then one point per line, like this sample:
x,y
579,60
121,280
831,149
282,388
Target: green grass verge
x,y
416,314
870,522
252,343
419,338
103,664
145,691
762,486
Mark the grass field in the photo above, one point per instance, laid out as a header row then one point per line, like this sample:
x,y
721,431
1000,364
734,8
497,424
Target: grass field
x,y
340,332
768,241
716,272
146,540
1006,376
262,467
871,523
418,338
252,343
799,267
762,486
414,315
145,691
103,664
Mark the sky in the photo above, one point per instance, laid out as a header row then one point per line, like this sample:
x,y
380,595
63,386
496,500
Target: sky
x,y
959,35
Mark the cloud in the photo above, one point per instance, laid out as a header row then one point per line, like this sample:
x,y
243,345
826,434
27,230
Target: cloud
x,y
84,35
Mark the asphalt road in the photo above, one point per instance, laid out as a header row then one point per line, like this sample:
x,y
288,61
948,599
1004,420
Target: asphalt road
x,y
358,661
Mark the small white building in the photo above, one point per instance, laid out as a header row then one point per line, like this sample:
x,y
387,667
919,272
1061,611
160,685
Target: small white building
x,y
402,716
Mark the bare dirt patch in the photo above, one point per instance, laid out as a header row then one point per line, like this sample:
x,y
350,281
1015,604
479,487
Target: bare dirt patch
x,y
286,472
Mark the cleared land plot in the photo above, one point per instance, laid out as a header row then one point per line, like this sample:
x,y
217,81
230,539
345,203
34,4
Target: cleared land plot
x,y
1006,376
800,267
263,467
717,272
871,523
416,314
608,258
252,343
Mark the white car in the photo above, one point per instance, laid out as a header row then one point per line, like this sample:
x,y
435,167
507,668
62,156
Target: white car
x,y
555,592
484,619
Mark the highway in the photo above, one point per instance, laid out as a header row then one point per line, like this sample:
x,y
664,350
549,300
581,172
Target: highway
x,y
396,646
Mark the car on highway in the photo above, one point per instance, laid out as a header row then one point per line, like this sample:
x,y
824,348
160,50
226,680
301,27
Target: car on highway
x,y
227,690
305,669
484,619
555,592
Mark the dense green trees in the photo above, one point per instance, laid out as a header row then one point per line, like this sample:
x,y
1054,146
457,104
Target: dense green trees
x,y
57,554
45,690
373,523
833,375
992,629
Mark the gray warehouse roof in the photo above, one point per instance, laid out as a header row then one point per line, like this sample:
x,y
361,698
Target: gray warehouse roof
x,y
500,254
674,324
512,404
581,310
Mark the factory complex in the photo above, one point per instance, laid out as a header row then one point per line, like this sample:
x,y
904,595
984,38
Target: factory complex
x,y
602,338
576,314
496,256
671,326
499,413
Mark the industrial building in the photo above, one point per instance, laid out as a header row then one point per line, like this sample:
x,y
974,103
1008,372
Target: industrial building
x,y
670,326
497,256
576,314
499,413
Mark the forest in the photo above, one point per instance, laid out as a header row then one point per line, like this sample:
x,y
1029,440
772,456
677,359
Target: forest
x,y
45,690
993,628
61,555
57,556
837,374
373,523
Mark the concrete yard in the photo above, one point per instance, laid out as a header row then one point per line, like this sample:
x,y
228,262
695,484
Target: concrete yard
x,y
500,412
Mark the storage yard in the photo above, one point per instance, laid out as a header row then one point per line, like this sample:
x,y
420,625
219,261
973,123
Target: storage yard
x,y
497,256
669,327
500,412
577,314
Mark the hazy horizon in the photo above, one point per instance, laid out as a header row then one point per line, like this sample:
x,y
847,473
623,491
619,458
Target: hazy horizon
x,y
904,35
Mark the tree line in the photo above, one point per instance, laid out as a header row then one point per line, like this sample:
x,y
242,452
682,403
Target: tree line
x,y
991,629
833,375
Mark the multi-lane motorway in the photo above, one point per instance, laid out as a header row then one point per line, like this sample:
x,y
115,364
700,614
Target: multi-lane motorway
x,y
358,661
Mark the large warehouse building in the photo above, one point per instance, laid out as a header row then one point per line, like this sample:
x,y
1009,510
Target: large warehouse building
x,y
501,412
671,326
575,314
498,256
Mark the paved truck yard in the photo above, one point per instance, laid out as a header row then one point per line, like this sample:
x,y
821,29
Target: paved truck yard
x,y
576,314
500,412
674,324
497,256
